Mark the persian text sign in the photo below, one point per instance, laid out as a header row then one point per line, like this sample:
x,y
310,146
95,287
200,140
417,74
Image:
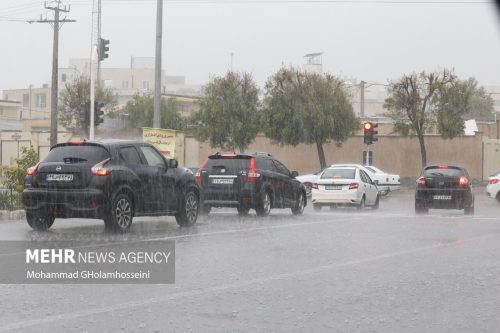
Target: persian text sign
x,y
162,139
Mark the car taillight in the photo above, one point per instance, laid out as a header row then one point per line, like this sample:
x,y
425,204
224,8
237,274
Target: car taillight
x,y
31,171
314,185
198,173
494,181
99,169
463,181
252,175
353,186
442,167
421,181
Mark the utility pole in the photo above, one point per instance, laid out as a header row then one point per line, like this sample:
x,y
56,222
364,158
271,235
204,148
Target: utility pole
x,y
57,8
99,40
157,104
362,99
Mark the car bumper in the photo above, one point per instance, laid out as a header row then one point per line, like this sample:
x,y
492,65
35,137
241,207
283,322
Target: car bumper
x,y
346,198
492,191
65,203
244,198
445,199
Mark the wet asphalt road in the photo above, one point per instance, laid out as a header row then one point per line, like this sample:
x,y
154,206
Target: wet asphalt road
x,y
384,270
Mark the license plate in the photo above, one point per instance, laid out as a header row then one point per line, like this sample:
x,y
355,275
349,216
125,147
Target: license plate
x,y
59,177
333,187
442,197
222,181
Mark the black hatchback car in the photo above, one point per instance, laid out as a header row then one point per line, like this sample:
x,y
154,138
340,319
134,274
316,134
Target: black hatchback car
x,y
249,181
446,187
113,180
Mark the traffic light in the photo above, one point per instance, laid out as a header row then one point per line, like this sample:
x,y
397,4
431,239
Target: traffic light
x,y
84,116
98,113
103,49
370,133
367,129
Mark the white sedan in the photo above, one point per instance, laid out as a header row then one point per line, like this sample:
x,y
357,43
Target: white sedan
x,y
308,180
386,182
493,187
344,186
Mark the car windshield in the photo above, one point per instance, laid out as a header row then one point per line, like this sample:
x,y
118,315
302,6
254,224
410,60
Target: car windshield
x,y
445,172
343,173
77,154
228,163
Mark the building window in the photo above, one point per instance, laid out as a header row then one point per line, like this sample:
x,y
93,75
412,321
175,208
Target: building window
x,y
26,99
125,84
41,100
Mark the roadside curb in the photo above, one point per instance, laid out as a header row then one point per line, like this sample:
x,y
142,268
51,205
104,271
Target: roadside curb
x,y
6,215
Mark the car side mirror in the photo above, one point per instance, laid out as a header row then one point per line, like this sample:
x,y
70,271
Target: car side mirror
x,y
172,163
294,174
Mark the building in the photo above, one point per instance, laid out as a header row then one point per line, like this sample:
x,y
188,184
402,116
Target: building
x,y
34,102
139,78
10,109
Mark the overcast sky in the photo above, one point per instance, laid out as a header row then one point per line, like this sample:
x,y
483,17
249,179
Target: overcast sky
x,y
369,40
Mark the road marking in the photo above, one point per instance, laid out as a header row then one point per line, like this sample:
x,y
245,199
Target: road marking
x,y
224,287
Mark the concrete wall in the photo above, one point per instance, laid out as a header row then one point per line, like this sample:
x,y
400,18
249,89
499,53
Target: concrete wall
x,y
391,153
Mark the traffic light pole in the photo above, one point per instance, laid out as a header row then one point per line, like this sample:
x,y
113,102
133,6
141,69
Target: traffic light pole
x,y
92,92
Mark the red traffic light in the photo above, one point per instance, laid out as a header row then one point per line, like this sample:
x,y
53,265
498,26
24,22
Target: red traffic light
x,y
368,126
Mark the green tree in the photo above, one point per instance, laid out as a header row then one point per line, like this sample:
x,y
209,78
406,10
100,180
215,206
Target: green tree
x,y
75,94
481,105
308,108
229,112
14,175
418,101
140,112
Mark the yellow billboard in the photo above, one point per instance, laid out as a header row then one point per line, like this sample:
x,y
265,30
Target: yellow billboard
x,y
162,139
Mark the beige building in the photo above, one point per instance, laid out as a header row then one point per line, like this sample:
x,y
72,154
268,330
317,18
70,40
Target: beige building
x,y
139,78
10,109
34,102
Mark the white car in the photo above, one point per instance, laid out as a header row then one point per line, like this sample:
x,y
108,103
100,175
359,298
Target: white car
x,y
493,187
386,182
344,186
308,180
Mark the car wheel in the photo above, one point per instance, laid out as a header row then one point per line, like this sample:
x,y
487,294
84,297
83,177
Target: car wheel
x,y
121,215
361,204
308,189
205,210
421,209
317,208
299,205
189,209
243,210
264,207
39,221
377,202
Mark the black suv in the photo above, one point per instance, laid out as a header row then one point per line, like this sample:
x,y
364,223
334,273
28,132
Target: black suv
x,y
257,181
113,180
444,186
